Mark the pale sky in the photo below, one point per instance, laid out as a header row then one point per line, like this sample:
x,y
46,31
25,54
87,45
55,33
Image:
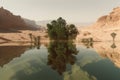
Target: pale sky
x,y
71,10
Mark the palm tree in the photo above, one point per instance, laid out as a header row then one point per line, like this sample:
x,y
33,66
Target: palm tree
x,y
31,37
113,35
38,42
59,30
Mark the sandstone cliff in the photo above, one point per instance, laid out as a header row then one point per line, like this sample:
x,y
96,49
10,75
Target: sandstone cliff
x,y
101,30
12,23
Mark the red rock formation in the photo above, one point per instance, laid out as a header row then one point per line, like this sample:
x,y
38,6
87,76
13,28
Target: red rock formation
x,y
111,19
11,23
7,53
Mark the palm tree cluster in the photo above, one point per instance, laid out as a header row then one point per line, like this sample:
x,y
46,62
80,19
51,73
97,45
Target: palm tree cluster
x,y
35,40
59,30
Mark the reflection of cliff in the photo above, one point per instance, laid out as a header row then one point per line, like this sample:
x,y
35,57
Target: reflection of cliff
x,y
60,54
7,53
78,73
108,50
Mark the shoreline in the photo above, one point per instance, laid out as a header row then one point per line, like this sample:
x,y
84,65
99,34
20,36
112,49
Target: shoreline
x,y
44,42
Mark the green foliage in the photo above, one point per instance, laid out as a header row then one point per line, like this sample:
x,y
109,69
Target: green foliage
x,y
61,54
113,34
59,30
31,36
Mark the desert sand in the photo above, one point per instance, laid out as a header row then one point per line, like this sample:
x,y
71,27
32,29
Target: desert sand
x,y
22,37
100,34
100,31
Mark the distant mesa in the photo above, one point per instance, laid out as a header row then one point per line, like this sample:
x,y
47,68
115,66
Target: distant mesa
x,y
13,23
43,23
31,23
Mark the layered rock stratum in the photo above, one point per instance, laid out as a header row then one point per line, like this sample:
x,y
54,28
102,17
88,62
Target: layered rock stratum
x,y
101,30
12,23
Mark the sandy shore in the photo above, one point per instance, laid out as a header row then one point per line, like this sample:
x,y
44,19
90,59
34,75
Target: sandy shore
x,y
22,37
99,34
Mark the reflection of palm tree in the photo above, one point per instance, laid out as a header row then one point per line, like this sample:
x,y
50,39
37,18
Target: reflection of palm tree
x,y
31,38
88,42
61,53
36,41
113,46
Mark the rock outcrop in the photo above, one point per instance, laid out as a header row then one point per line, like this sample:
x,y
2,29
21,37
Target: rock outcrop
x,y
101,30
112,19
12,23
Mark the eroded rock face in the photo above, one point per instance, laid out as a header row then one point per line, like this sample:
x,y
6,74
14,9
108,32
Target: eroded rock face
x,y
11,23
112,18
103,27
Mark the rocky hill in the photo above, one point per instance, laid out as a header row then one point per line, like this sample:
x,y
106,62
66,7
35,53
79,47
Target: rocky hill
x,y
101,30
112,19
12,23
31,23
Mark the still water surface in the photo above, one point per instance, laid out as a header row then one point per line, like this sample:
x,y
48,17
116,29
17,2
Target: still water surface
x,y
57,61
